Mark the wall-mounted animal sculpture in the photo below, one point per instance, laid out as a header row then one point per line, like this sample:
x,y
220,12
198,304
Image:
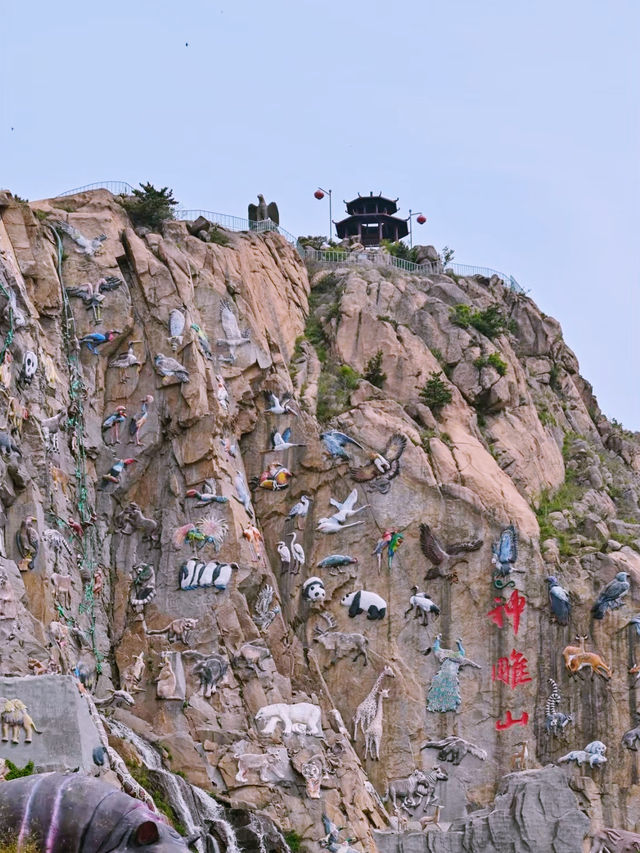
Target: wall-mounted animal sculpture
x,y
72,813
414,788
194,574
13,717
631,738
313,590
340,643
444,560
577,658
423,606
303,714
555,722
178,629
611,595
592,754
210,669
262,762
363,601
607,840
454,749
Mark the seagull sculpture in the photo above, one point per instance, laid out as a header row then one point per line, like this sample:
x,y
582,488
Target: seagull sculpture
x,y
233,337
335,442
346,509
279,405
280,441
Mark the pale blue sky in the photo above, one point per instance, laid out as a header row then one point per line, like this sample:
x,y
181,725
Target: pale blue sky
x,y
514,126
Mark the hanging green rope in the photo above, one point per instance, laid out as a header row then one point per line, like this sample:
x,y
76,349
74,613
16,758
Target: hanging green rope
x,y
9,336
75,422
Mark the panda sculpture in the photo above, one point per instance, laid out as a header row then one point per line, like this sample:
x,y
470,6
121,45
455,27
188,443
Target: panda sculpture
x,y
313,590
362,600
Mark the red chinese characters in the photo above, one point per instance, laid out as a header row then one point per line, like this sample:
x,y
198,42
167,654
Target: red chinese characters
x,y
513,670
509,721
512,609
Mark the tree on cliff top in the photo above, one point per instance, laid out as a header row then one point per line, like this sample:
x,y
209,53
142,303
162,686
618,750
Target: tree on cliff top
x,y
149,206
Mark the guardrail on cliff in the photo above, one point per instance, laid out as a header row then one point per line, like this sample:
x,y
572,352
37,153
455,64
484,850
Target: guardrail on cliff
x,y
334,256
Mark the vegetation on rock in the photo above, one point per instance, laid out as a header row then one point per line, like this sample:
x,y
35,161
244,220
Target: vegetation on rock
x,y
436,394
373,372
149,207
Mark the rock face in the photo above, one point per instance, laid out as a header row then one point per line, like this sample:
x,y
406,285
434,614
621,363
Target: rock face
x,y
165,569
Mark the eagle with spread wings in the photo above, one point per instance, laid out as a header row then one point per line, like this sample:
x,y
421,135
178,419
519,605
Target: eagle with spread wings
x,y
382,467
261,211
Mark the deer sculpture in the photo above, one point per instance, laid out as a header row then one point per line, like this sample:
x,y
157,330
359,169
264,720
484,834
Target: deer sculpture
x,y
577,657
339,643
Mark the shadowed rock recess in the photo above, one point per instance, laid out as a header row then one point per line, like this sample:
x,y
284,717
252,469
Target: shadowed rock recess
x,y
149,560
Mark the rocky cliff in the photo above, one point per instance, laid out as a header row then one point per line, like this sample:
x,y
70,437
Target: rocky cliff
x,y
141,494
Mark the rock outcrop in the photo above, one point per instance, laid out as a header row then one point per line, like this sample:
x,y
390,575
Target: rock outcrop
x,y
167,577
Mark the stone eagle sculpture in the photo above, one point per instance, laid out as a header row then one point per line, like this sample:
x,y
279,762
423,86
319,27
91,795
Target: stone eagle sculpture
x,y
262,210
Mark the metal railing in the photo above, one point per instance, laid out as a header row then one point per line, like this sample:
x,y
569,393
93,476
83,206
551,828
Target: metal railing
x,y
235,223
115,187
371,256
333,256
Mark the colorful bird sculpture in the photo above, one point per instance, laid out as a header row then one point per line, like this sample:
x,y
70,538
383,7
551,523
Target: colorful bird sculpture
x,y
276,477
139,420
208,531
170,369
391,540
97,339
125,360
207,495
113,474
113,422
559,600
27,542
203,342
611,595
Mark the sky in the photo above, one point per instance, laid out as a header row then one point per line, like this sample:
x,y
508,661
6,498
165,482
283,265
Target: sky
x,y
513,126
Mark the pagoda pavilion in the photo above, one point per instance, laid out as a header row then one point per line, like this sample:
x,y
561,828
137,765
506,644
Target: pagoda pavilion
x,y
371,220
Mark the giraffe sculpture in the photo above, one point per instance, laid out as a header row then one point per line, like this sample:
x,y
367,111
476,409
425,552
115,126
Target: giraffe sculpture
x,y
366,710
373,734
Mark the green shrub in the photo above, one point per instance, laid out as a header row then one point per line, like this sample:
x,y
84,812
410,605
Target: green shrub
x,y
447,255
373,372
18,772
149,207
494,360
490,322
217,236
312,242
41,214
400,250
335,384
435,394
293,840
349,378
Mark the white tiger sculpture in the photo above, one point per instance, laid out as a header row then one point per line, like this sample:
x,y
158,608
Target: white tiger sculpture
x,y
299,716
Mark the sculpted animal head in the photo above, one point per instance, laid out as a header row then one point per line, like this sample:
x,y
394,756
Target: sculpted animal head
x,y
440,774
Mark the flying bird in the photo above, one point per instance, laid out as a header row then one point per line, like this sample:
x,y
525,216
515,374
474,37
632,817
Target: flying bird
x,y
391,540
139,420
207,495
335,442
125,360
382,467
96,339
203,342
331,525
169,368
279,405
113,421
611,595
208,531
93,295
346,509
444,560
280,441
85,245
559,600
28,541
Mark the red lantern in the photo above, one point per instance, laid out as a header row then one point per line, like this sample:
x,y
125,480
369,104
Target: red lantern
x,y
421,219
319,194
